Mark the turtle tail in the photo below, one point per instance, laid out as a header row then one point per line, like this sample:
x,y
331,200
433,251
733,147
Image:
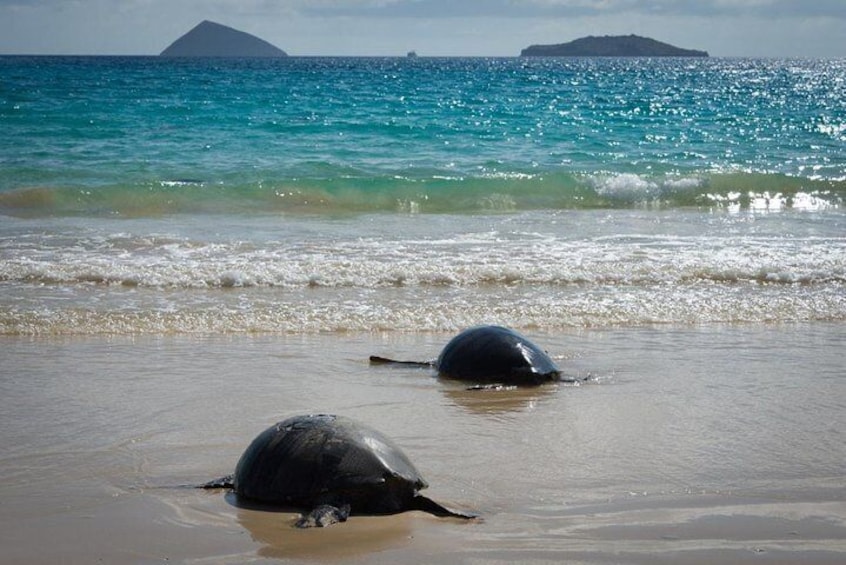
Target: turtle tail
x,y
424,504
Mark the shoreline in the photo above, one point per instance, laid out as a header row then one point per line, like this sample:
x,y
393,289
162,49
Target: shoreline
x,y
192,526
646,463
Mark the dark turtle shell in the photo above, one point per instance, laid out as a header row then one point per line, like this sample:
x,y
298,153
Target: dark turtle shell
x,y
305,461
495,354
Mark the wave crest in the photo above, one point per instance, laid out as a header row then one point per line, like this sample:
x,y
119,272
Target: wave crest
x,y
343,192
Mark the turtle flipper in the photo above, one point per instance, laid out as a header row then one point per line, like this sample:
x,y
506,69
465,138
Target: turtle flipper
x,y
223,482
420,502
574,380
498,387
376,360
324,515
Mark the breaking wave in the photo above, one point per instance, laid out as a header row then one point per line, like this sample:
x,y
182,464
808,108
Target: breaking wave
x,y
443,192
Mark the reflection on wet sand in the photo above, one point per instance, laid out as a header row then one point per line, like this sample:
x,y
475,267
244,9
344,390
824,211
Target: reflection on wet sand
x,y
496,400
358,536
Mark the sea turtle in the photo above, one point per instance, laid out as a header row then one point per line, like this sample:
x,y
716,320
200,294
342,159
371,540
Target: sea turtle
x,y
332,466
490,354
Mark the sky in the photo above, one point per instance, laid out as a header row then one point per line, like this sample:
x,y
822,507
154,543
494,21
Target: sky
x,y
724,28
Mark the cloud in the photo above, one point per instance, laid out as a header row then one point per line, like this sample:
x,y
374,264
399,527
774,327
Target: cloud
x,y
435,9
569,8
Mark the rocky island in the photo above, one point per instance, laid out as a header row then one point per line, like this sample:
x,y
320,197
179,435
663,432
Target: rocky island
x,y
611,46
210,39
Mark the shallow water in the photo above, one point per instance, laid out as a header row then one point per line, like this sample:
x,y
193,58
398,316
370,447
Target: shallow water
x,y
399,272
686,445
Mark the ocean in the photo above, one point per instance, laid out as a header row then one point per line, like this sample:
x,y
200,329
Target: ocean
x,y
191,250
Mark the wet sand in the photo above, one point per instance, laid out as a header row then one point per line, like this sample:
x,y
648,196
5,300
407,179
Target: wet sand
x,y
686,445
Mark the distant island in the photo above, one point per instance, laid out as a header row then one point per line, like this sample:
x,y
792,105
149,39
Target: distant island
x,y
210,39
611,46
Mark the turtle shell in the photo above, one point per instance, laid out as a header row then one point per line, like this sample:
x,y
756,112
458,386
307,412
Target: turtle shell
x,y
495,354
325,459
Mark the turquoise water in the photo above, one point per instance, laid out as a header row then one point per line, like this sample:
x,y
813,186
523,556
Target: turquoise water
x,y
141,136
355,194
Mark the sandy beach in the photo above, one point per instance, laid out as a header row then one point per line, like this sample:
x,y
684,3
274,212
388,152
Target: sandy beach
x,y
719,444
